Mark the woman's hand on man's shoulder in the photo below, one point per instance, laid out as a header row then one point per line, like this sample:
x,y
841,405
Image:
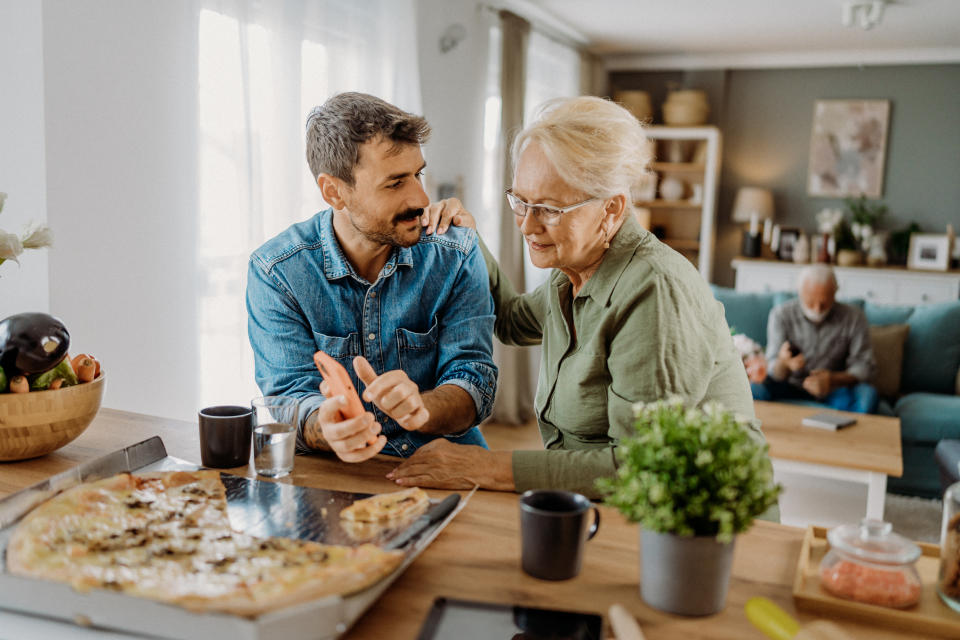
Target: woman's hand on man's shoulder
x,y
438,216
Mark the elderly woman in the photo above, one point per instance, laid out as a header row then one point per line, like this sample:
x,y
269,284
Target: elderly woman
x,y
623,318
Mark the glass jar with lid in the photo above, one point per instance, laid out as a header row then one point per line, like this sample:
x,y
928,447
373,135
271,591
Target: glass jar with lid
x,y
948,582
869,563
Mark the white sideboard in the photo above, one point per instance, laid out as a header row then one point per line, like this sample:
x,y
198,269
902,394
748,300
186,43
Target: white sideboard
x,y
883,285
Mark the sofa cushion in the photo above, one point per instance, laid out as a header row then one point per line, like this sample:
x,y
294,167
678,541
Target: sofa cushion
x,y
746,312
888,343
928,417
931,355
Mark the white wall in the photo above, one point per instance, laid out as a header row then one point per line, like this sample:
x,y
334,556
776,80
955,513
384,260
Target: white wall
x,y
453,85
22,172
125,214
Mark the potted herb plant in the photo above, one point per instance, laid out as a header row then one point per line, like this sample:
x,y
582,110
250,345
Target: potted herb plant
x,y
693,479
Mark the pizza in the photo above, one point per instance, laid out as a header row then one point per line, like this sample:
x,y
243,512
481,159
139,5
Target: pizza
x,y
167,536
386,507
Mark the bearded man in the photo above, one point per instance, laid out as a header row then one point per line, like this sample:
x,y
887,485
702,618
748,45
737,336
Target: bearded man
x,y
409,315
819,349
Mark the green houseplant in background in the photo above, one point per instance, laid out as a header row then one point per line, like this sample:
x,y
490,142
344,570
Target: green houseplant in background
x,y
848,250
693,479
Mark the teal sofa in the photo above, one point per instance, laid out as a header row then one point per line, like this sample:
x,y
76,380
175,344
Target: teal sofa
x,y
927,402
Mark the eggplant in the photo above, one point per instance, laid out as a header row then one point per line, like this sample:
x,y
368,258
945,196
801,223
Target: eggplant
x,y
32,343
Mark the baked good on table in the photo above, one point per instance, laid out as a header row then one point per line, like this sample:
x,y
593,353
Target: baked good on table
x,y
384,507
166,536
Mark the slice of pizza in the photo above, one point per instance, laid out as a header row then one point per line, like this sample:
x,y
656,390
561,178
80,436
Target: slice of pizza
x,y
398,505
167,536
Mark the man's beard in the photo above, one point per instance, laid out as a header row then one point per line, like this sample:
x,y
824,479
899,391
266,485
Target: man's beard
x,y
388,235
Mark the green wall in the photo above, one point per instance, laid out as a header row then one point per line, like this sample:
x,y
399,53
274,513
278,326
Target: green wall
x,y
765,116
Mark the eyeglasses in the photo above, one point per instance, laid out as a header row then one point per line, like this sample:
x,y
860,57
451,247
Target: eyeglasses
x,y
544,213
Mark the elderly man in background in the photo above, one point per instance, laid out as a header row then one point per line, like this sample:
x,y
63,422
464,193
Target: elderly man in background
x,y
819,349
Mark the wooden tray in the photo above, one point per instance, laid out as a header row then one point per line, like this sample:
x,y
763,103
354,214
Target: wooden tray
x,y
929,616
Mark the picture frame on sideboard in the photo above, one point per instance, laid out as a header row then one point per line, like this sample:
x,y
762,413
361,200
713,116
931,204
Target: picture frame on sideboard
x,y
788,238
929,251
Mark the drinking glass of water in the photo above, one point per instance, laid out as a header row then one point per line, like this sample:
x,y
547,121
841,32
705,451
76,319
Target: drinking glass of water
x,y
274,435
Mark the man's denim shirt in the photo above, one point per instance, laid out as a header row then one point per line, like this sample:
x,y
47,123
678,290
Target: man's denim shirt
x,y
429,313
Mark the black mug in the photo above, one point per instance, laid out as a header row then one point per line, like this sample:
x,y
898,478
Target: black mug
x,y
225,433
553,525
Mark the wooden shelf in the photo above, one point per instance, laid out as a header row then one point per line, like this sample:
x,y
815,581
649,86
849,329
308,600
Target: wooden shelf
x,y
687,227
685,167
682,243
669,204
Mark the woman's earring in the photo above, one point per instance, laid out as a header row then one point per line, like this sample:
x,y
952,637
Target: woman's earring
x,y
606,243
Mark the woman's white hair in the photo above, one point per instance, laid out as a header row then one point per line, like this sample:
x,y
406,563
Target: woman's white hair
x,y
817,274
596,145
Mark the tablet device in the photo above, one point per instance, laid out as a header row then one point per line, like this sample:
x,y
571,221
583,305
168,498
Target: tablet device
x,y
451,619
828,420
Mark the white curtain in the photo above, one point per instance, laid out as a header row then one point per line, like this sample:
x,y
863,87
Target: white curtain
x,y
262,67
551,69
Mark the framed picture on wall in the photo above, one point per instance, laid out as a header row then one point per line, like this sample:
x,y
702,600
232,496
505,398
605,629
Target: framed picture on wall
x,y
848,145
929,251
788,238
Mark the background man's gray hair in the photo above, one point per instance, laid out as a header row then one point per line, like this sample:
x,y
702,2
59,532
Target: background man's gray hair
x,y
337,128
816,274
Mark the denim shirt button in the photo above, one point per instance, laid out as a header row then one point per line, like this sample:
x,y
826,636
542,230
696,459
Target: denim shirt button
x,y
372,336
404,446
373,294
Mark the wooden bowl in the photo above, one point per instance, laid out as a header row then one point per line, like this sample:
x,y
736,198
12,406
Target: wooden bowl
x,y
36,423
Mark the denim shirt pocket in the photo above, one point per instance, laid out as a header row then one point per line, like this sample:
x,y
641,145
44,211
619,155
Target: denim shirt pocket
x,y
343,350
418,353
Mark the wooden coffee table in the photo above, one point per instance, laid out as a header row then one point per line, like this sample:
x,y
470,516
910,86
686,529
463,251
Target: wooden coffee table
x,y
821,463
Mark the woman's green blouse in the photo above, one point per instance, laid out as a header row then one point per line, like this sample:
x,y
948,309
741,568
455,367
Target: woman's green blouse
x,y
644,327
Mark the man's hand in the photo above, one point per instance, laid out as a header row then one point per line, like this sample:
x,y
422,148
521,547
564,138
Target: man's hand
x,y
440,215
792,362
817,383
442,464
395,393
756,366
346,438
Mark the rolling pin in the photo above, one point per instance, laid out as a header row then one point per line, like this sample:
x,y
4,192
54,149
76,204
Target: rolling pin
x,y
777,624
625,626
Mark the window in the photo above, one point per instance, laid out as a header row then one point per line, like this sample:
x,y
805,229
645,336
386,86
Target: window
x,y
262,67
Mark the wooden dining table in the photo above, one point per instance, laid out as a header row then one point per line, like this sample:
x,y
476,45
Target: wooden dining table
x,y
477,556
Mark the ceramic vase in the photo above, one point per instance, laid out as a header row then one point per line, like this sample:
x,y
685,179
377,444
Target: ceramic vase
x,y
685,575
801,250
877,255
824,255
848,258
671,188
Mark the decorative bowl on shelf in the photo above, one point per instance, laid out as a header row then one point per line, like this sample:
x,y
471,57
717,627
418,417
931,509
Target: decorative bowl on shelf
x,y
36,423
687,107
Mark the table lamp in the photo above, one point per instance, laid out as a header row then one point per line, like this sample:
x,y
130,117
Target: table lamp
x,y
752,205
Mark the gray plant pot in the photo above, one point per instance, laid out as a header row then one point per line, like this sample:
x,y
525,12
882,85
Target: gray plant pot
x,y
688,576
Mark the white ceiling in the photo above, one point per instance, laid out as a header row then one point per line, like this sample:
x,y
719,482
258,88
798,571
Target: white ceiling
x,y
658,30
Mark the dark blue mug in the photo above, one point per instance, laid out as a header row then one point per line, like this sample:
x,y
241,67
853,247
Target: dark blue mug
x,y
553,525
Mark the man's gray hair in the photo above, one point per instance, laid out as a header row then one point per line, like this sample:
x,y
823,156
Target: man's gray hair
x,y
817,274
337,128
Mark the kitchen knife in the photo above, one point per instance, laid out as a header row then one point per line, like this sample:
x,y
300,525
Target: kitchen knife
x,y
434,514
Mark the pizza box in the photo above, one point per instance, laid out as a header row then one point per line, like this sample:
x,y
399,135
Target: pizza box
x,y
255,507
